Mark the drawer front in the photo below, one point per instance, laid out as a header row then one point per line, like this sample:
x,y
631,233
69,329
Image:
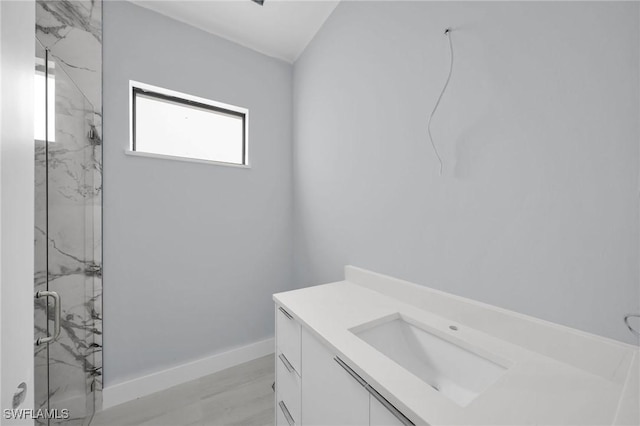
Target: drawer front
x,y
379,415
288,337
281,417
330,395
383,413
287,388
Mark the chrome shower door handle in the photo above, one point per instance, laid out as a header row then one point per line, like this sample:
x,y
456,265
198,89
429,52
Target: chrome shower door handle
x,y
57,311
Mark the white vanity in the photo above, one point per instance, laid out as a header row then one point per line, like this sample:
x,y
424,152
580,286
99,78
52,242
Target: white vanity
x,y
374,350
331,392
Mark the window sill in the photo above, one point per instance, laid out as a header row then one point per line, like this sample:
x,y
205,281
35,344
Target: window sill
x,y
186,159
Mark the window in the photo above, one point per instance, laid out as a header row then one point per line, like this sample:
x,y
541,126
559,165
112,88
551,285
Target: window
x,y
174,125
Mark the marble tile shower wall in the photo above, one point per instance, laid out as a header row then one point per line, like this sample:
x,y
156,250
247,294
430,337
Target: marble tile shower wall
x,y
68,235
72,31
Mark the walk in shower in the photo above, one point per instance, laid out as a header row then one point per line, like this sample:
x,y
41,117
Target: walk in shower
x,y
68,242
68,210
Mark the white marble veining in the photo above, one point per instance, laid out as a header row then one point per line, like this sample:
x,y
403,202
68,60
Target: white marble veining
x,y
72,31
68,204
535,389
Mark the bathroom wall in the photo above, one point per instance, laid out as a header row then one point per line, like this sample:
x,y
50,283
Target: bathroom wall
x,y
537,207
16,203
192,251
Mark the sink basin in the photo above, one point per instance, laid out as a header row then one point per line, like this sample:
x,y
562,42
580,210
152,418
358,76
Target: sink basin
x,y
455,372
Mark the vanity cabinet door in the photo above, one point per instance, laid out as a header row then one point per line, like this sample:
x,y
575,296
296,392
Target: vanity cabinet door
x,y
287,392
288,369
330,395
288,338
379,415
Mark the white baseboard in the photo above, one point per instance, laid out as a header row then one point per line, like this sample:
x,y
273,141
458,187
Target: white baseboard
x,y
132,389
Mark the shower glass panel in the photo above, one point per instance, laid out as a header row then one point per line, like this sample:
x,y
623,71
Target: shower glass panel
x,y
66,248
41,366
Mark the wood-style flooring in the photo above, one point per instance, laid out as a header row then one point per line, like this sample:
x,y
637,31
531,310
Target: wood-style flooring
x,y
240,395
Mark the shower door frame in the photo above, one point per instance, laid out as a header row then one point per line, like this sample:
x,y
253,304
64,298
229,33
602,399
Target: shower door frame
x,y
80,345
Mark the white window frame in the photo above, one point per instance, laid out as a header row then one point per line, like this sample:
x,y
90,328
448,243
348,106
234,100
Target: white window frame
x,y
185,98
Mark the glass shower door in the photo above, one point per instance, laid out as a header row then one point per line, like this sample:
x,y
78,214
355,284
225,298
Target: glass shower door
x,y
41,311
67,196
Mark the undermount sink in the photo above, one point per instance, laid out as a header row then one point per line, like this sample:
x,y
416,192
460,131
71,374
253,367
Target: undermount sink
x,y
452,370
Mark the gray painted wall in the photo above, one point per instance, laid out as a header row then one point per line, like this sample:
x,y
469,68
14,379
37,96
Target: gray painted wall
x,y
537,208
192,252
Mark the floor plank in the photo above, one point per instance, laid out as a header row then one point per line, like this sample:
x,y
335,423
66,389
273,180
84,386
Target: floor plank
x,y
239,395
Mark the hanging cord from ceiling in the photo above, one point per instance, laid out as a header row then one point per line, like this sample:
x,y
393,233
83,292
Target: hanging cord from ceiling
x,y
447,32
628,323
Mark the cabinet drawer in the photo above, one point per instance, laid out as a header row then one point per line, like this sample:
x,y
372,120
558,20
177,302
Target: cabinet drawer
x,y
288,337
383,413
281,417
287,388
379,415
330,395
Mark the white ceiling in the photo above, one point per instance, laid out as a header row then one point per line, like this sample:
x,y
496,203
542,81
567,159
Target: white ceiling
x,y
279,28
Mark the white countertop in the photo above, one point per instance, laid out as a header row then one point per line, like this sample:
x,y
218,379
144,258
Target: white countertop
x,y
535,389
